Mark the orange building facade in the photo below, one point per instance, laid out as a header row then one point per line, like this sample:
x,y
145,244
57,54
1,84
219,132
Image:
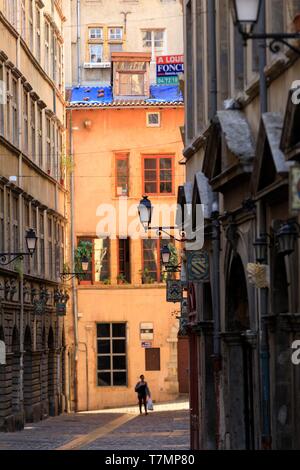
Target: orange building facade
x,y
126,142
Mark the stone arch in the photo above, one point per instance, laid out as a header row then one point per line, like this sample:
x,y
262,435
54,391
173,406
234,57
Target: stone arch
x,y
44,375
52,382
27,382
239,356
16,369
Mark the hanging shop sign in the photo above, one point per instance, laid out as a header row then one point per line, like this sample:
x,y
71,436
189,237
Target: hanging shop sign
x,y
174,291
2,353
198,266
295,188
61,309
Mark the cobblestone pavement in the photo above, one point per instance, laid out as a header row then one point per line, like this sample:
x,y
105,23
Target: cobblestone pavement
x,y
109,430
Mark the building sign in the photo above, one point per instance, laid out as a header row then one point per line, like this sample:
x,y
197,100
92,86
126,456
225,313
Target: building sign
x,y
198,266
61,309
146,331
146,344
2,353
168,80
295,188
168,68
174,291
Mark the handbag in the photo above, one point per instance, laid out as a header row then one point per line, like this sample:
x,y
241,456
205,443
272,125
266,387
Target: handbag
x,y
150,405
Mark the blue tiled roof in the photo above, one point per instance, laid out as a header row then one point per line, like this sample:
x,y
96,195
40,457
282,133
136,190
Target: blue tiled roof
x,y
103,96
92,95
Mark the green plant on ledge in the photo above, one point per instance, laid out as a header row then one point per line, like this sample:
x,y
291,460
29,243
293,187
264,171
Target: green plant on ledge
x,y
106,282
84,249
147,276
121,278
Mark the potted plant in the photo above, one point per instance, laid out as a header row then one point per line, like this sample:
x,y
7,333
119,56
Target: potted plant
x,y
147,277
83,250
121,278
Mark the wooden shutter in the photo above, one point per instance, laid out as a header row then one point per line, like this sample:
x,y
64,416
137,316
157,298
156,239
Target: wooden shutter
x,y
152,356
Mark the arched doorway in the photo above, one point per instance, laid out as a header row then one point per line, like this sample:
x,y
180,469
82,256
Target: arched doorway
x,y
44,374
51,373
239,359
27,378
16,369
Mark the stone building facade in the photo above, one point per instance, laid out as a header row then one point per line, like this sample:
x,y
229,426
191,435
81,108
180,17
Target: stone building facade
x,y
33,195
241,142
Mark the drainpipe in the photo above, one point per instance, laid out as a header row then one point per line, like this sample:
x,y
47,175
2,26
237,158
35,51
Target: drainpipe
x,y
78,43
264,293
74,288
213,93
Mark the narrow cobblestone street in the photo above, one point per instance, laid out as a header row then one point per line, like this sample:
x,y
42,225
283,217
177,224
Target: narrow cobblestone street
x,y
167,428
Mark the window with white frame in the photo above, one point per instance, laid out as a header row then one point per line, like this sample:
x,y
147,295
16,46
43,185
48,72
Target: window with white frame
x,y
2,98
8,105
14,110
153,39
32,129
15,223
40,137
30,21
50,247
42,242
25,121
47,46
153,119
96,53
48,144
23,19
95,33
115,34
38,33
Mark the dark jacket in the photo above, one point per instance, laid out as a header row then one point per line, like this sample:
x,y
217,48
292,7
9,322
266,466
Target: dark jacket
x,y
142,389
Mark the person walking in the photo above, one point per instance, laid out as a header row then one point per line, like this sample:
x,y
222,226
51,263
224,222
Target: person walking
x,y
143,392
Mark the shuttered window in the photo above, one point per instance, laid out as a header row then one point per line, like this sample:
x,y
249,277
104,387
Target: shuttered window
x,y
152,359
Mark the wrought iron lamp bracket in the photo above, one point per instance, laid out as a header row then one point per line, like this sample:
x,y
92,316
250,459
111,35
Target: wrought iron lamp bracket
x,y
276,40
5,258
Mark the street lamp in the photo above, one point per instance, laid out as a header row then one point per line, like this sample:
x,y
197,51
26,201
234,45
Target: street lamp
x,y
145,210
65,276
245,15
165,255
31,240
286,237
261,248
